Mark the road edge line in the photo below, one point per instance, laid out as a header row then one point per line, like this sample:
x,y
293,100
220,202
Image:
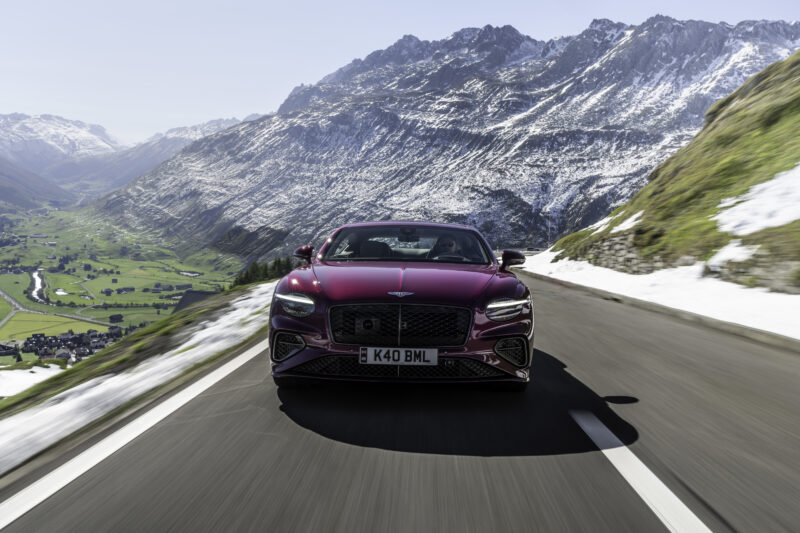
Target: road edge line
x,y
672,512
37,492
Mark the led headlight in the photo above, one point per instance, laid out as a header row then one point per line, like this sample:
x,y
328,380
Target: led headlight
x,y
505,309
296,304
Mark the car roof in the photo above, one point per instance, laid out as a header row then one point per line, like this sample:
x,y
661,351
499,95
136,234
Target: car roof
x,y
418,223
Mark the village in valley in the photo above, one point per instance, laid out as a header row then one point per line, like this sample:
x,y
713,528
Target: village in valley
x,y
71,284
68,346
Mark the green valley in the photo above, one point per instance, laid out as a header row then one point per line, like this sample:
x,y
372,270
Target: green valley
x,y
95,271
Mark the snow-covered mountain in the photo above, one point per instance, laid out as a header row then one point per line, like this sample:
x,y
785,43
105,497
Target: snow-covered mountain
x,y
90,177
36,142
727,202
525,139
189,134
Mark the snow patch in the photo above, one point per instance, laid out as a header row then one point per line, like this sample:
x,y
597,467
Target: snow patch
x,y
766,205
27,433
683,288
600,225
15,381
733,251
628,223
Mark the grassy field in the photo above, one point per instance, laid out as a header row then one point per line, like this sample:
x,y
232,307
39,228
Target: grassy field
x,y
11,359
5,308
84,233
15,284
23,325
749,137
133,260
131,316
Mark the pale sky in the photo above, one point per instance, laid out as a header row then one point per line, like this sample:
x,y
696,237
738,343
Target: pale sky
x,y
142,67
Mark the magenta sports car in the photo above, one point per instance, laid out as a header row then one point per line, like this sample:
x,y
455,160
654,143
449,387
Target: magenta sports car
x,y
402,301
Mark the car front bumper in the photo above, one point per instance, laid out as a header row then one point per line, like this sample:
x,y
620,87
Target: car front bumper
x,y
477,361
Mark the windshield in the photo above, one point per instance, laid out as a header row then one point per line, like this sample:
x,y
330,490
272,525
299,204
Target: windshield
x,y
407,243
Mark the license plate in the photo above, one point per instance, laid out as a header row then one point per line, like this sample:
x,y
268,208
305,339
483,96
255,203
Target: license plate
x,y
399,356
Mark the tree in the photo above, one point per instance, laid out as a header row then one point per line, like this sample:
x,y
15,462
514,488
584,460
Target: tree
x,y
287,265
276,268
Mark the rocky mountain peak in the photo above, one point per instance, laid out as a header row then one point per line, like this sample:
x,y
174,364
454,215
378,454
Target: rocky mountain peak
x,y
524,139
35,142
660,20
603,24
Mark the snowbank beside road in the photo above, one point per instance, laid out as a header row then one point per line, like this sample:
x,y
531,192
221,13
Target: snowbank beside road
x,y
31,431
683,288
15,381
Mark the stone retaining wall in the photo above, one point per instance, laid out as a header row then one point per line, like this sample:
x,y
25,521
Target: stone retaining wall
x,y
618,253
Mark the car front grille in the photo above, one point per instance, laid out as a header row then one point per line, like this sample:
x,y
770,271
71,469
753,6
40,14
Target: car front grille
x,y
348,366
400,325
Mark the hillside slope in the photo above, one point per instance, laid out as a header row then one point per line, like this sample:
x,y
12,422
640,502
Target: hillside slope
x,y
525,139
731,196
21,190
92,176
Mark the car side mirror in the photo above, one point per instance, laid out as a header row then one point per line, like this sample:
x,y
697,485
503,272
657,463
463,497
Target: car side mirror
x,y
305,253
510,258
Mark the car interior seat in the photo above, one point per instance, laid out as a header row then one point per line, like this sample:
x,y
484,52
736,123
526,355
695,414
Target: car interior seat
x,y
375,249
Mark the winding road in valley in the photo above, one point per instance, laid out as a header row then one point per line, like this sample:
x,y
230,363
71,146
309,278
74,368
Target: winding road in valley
x,y
17,307
636,421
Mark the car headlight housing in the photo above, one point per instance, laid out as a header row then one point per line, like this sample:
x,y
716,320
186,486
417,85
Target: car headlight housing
x,y
505,308
296,304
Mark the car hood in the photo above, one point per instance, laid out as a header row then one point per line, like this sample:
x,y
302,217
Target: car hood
x,y
428,282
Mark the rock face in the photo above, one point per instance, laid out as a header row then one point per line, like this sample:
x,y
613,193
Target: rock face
x,y
727,201
525,139
36,142
762,270
619,253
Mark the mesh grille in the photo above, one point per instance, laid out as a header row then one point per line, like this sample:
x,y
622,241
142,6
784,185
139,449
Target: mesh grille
x,y
427,325
512,350
367,324
287,344
400,325
348,366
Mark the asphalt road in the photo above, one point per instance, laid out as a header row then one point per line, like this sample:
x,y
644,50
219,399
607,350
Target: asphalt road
x,y
713,416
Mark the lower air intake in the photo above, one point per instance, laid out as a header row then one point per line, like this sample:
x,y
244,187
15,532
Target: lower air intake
x,y
286,345
348,366
512,350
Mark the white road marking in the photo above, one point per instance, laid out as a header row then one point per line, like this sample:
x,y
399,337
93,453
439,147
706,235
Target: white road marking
x,y
34,494
670,510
